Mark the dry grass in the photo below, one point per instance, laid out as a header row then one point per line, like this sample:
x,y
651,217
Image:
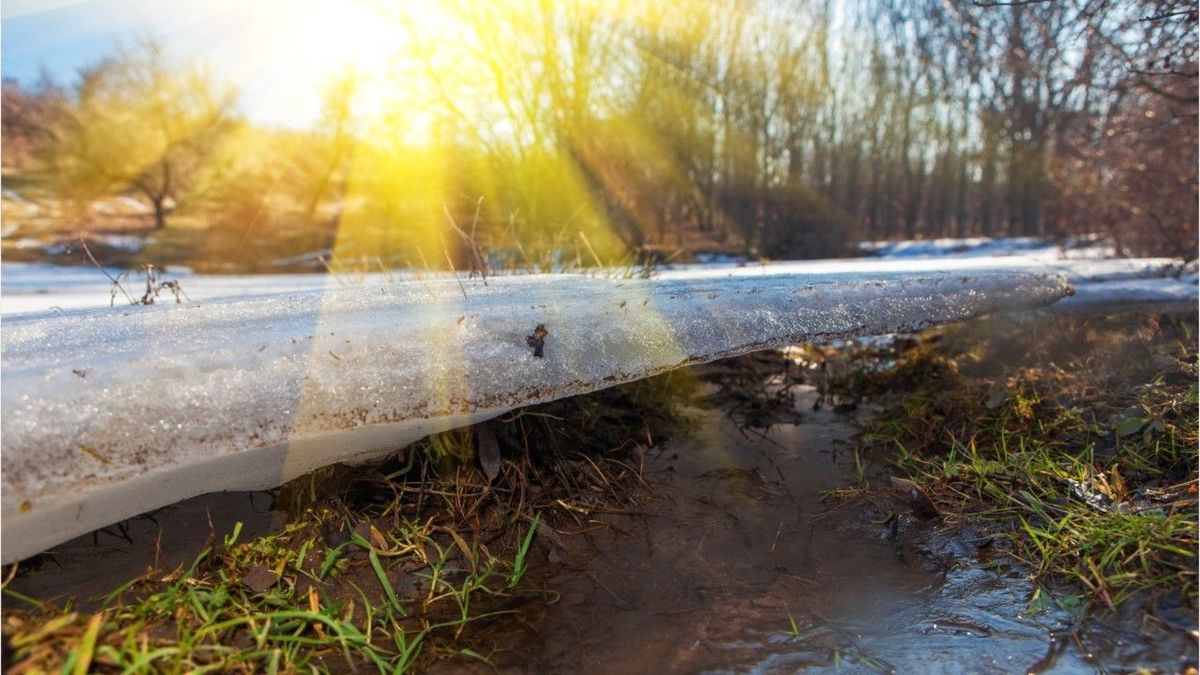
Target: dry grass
x,y
378,569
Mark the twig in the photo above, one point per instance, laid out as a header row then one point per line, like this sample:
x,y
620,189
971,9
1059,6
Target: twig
x,y
621,603
470,238
1009,3
12,572
1167,15
115,283
453,271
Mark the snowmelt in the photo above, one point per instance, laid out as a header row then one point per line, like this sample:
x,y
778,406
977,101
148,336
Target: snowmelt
x,y
112,412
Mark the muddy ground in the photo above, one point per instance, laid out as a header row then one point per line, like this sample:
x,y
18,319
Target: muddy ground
x,y
750,549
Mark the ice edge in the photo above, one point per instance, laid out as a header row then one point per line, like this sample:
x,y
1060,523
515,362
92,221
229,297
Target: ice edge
x,y
110,414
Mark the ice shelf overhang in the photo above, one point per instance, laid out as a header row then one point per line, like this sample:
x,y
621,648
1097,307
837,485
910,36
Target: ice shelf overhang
x,y
111,413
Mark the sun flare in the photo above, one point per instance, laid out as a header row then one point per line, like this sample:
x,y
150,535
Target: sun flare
x,y
307,45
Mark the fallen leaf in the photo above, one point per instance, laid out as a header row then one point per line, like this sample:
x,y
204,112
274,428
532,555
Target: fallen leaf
x,y
377,539
917,498
488,449
259,578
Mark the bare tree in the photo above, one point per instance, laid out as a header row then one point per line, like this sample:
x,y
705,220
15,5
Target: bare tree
x,y
138,124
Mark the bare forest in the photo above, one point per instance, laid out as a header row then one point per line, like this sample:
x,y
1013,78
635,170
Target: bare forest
x,y
550,133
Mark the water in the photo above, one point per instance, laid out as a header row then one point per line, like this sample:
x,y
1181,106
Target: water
x,y
742,568
92,565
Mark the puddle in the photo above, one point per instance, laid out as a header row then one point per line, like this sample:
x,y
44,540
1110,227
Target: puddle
x,y
97,563
740,567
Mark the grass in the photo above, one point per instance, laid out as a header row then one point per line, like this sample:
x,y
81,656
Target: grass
x,y
378,569
520,563
1074,440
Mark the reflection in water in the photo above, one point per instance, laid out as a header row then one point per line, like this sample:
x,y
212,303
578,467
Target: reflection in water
x,y
94,564
742,568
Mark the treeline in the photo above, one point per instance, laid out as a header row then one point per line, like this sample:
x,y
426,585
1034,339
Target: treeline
x,y
546,132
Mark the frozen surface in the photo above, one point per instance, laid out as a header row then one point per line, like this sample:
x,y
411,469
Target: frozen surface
x,y
1101,284
112,412
36,287
42,287
1181,290
1091,246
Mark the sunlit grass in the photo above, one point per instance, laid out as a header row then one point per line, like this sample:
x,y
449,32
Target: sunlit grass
x,y
377,569
1077,442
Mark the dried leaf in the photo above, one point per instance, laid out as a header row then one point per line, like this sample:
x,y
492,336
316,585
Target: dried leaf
x,y
488,449
922,506
1116,484
259,578
538,340
377,539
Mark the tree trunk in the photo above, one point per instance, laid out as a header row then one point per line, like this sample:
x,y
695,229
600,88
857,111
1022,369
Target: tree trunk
x,y
160,213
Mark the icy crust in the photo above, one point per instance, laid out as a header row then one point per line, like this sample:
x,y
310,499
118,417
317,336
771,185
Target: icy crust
x,y
35,287
1101,285
1106,285
1182,291
110,413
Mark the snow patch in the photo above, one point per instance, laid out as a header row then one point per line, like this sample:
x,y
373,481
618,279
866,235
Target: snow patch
x,y
1042,248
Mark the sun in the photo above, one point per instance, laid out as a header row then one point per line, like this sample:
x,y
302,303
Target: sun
x,y
289,51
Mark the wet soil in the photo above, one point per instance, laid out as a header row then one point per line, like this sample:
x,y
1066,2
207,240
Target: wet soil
x,y
733,563
739,566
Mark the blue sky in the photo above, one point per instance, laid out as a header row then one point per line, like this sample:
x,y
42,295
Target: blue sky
x,y
276,52
64,35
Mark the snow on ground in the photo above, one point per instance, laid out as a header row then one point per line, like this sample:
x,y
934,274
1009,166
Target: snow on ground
x,y
1046,248
110,412
1103,281
936,248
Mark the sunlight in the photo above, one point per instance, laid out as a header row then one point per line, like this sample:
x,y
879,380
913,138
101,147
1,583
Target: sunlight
x,y
304,45
465,289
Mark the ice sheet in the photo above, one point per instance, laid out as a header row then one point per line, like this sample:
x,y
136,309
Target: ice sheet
x,y
113,412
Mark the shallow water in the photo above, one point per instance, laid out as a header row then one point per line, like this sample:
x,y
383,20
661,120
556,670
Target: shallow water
x,y
97,563
742,568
